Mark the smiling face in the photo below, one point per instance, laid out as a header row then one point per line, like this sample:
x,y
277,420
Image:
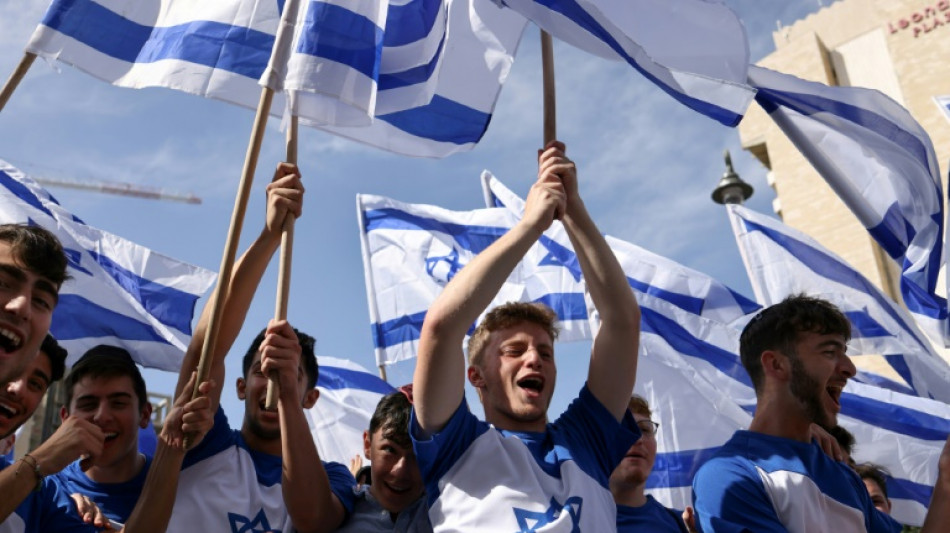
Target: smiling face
x,y
820,368
260,424
20,397
27,300
110,402
637,463
397,480
516,376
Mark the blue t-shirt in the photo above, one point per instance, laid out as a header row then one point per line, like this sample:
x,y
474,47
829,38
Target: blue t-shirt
x,y
115,500
760,483
225,486
650,517
49,510
479,478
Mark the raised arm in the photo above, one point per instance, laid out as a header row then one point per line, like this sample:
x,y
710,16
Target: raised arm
x,y
438,383
613,360
311,504
284,198
938,514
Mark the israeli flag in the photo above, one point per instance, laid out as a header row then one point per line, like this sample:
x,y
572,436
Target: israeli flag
x,y
782,261
882,164
943,103
348,397
647,272
695,50
120,293
410,251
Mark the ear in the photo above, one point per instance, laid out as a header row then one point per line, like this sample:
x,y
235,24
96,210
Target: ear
x,y
366,444
241,388
776,365
146,415
475,376
63,414
310,398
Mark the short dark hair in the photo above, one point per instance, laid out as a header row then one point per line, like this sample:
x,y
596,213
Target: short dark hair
x,y
37,249
639,405
875,473
506,316
779,326
57,357
306,354
392,416
844,437
104,361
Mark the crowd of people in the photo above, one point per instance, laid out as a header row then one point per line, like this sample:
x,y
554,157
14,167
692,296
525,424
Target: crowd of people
x,y
434,466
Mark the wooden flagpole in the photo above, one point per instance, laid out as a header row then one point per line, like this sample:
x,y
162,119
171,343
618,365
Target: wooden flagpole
x,y
286,258
14,80
279,53
547,75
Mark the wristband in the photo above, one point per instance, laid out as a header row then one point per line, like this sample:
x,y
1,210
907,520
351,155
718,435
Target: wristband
x,y
35,466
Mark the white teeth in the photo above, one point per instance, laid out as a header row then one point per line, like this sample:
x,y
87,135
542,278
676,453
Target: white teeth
x,y
7,409
11,336
110,435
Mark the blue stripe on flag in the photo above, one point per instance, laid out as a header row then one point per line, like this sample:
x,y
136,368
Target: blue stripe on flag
x,y
899,364
866,325
898,419
827,267
685,302
336,378
584,20
236,49
340,35
676,469
567,305
413,76
892,225
441,120
410,22
905,489
747,305
471,238
23,192
685,343
166,304
78,318
811,104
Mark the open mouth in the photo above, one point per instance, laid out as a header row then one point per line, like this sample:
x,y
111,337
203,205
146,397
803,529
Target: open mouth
x,y
532,384
111,436
9,340
8,410
834,391
398,489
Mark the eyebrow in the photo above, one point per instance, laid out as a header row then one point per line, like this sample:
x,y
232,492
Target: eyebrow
x,y
41,284
42,375
112,396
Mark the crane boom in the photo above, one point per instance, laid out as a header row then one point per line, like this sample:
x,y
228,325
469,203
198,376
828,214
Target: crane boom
x,y
124,189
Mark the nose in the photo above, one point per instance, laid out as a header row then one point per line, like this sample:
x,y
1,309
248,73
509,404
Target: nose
x,y
14,388
847,366
532,358
103,413
19,305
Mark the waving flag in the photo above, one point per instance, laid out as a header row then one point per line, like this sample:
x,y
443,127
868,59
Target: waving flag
x,y
410,251
120,293
881,163
943,102
671,42
783,261
348,398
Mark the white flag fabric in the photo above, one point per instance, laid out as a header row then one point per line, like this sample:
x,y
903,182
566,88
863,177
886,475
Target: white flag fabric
x,y
348,397
410,251
120,293
943,102
782,261
385,73
695,50
882,164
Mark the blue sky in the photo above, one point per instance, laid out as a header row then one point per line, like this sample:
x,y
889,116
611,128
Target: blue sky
x,y
647,166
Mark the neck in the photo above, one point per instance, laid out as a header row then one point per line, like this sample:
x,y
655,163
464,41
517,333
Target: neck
x,y
123,471
271,446
781,419
631,495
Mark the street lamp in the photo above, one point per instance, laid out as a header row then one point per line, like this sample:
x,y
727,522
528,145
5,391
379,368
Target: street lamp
x,y
731,188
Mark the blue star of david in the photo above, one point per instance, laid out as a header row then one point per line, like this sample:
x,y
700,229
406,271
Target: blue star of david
x,y
572,506
452,260
241,524
559,255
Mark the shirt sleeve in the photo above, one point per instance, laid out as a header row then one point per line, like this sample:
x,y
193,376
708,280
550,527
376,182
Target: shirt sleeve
x,y
341,484
437,454
218,438
54,510
596,441
728,497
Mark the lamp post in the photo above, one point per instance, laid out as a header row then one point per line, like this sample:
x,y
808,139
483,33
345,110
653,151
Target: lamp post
x,y
731,188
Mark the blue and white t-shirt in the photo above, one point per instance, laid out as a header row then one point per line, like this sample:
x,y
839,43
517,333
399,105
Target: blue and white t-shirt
x,y
479,478
48,510
115,500
227,487
760,483
650,517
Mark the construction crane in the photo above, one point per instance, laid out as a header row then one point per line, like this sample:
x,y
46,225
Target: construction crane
x,y
124,189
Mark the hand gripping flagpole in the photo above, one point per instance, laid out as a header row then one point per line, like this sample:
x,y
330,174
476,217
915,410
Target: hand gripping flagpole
x,y
14,80
275,67
286,258
547,75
